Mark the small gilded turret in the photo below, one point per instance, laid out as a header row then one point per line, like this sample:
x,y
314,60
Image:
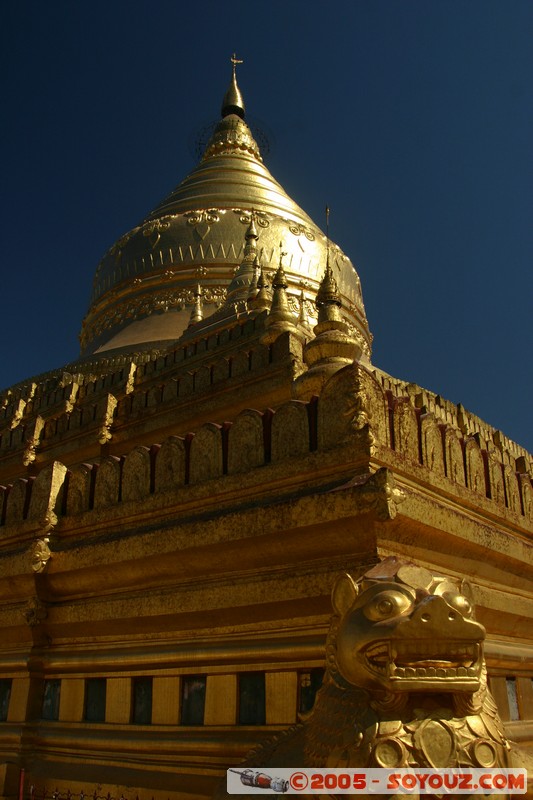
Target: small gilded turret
x,y
280,318
328,300
239,288
262,299
333,345
279,311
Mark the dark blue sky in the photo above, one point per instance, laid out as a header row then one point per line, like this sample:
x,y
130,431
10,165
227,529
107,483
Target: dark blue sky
x,y
412,120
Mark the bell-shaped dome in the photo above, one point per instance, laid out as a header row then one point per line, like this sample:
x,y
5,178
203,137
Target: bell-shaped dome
x,y
145,287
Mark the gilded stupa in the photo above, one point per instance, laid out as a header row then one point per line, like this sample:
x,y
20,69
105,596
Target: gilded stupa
x,y
144,287
177,504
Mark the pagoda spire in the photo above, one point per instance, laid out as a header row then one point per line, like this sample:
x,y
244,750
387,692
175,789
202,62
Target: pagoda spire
x,y
328,300
233,102
333,345
280,318
279,311
239,288
262,299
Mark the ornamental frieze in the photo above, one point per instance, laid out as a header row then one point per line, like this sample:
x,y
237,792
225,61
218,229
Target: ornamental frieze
x,y
153,228
245,217
298,230
208,215
141,306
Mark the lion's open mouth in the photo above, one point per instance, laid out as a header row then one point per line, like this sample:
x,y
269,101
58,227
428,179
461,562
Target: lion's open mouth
x,y
423,659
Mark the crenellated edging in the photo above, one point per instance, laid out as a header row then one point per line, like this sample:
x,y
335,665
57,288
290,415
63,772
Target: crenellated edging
x,y
358,409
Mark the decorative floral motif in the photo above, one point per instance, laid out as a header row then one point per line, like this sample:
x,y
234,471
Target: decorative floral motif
x,y
208,215
152,230
293,303
245,217
308,310
298,230
40,555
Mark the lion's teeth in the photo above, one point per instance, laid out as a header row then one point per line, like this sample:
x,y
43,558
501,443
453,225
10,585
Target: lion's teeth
x,y
400,672
428,672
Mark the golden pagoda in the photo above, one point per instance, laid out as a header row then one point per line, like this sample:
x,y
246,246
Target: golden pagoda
x,y
176,505
145,284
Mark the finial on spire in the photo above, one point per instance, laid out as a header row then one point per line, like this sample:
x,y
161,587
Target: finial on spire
x,y
240,286
234,60
280,279
282,253
280,318
233,102
197,313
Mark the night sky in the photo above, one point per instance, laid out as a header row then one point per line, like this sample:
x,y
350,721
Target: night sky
x,y
411,119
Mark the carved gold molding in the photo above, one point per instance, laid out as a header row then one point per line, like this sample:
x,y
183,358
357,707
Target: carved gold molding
x,y
141,306
378,492
40,555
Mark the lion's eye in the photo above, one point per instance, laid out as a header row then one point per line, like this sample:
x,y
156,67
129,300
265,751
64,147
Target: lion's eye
x,y
386,604
459,602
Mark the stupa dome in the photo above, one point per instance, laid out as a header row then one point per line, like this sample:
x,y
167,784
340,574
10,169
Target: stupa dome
x,y
145,286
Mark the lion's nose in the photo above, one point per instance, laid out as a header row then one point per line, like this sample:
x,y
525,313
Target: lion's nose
x,y
435,611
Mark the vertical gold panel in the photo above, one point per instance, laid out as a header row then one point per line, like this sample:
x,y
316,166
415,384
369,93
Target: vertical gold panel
x,y
71,701
281,697
166,698
221,700
18,702
524,689
498,687
118,700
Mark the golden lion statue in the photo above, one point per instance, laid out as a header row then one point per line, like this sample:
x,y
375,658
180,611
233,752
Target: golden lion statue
x,y
405,683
